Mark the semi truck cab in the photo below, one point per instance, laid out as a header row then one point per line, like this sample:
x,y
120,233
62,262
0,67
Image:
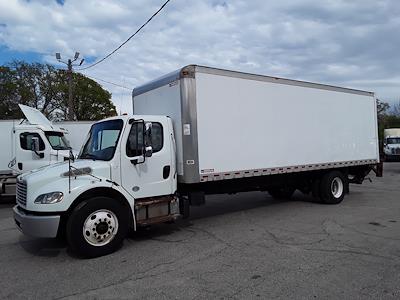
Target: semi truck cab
x,y
391,143
124,176
37,142
36,146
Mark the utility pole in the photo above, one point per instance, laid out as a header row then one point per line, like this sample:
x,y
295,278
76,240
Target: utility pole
x,y
69,63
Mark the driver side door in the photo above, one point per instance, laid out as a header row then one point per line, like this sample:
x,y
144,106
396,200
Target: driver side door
x,y
155,176
26,159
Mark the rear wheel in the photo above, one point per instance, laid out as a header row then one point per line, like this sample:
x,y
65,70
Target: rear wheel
x,y
283,192
97,227
332,187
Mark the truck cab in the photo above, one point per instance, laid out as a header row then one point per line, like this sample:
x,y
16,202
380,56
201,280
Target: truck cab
x,y
36,146
391,143
37,142
124,177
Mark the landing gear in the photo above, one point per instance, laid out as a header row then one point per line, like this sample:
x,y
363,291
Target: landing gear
x,y
283,192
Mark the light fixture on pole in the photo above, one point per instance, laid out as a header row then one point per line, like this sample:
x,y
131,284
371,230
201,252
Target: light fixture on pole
x,y
69,63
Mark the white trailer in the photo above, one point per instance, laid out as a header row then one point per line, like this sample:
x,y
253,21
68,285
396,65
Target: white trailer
x,y
391,143
200,131
54,141
228,122
75,132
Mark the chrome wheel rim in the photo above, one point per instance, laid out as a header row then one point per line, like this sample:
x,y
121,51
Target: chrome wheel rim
x,y
100,227
337,187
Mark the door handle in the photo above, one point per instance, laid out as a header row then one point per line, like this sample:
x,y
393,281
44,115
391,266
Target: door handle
x,y
166,171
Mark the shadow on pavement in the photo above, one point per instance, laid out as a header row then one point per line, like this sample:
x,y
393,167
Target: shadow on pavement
x,y
43,247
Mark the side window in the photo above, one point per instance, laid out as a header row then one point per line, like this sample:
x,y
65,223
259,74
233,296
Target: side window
x,y
25,140
135,146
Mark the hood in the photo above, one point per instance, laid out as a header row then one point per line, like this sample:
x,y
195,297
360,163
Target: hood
x,y
59,171
34,116
55,178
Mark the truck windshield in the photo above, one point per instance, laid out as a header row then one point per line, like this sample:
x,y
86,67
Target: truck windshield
x,y
393,140
102,140
57,140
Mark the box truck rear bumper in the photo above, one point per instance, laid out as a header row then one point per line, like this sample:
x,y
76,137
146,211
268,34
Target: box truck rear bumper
x,y
35,225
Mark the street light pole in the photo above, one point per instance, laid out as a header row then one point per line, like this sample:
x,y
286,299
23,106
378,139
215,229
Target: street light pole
x,y
69,63
71,113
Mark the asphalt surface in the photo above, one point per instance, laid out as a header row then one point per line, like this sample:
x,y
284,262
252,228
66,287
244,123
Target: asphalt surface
x,y
242,246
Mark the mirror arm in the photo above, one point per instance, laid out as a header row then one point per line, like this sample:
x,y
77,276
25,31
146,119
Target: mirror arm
x,y
41,155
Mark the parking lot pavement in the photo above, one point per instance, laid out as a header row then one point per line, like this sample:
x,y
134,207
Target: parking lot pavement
x,y
240,246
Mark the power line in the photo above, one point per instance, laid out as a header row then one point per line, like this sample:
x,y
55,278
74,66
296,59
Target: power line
x,y
109,82
120,46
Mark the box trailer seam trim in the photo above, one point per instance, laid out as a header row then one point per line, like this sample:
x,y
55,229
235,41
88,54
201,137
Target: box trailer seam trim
x,y
190,70
282,170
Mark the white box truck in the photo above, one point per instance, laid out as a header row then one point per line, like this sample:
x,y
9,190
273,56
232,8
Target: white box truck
x,y
200,131
54,142
391,143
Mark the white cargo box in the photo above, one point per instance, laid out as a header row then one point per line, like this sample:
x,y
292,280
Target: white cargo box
x,y
7,148
230,125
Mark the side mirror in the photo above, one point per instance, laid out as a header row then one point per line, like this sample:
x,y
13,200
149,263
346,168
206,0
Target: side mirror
x,y
144,145
148,147
35,144
147,130
35,147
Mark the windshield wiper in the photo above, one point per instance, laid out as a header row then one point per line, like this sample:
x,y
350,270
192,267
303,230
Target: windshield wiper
x,y
89,155
61,148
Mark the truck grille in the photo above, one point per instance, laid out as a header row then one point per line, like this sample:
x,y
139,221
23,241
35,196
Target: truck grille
x,y
397,151
21,192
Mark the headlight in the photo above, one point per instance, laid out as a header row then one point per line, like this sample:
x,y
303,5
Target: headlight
x,y
49,198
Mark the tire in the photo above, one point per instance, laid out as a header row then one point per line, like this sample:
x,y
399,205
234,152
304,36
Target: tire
x,y
184,207
332,187
284,192
97,227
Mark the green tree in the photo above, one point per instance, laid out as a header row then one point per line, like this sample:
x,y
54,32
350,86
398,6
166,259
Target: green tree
x,y
382,109
44,87
91,101
8,94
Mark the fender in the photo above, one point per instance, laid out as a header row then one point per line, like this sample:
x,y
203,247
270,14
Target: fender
x,y
103,188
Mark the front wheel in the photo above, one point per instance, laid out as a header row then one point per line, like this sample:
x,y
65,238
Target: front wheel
x,y
333,187
97,227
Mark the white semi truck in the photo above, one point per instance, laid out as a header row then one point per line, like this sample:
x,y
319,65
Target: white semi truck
x,y
391,143
53,141
200,131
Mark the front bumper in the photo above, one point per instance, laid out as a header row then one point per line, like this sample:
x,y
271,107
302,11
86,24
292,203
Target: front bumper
x,y
35,225
392,156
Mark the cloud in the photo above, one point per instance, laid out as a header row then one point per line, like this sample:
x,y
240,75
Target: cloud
x,y
347,43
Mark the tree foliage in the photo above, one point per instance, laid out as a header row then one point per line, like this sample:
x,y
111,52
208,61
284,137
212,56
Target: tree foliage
x,y
44,87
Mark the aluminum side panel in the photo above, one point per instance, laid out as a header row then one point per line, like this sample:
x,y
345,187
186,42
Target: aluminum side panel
x,y
249,125
189,131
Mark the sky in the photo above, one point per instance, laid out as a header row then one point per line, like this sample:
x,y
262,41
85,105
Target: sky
x,y
352,44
